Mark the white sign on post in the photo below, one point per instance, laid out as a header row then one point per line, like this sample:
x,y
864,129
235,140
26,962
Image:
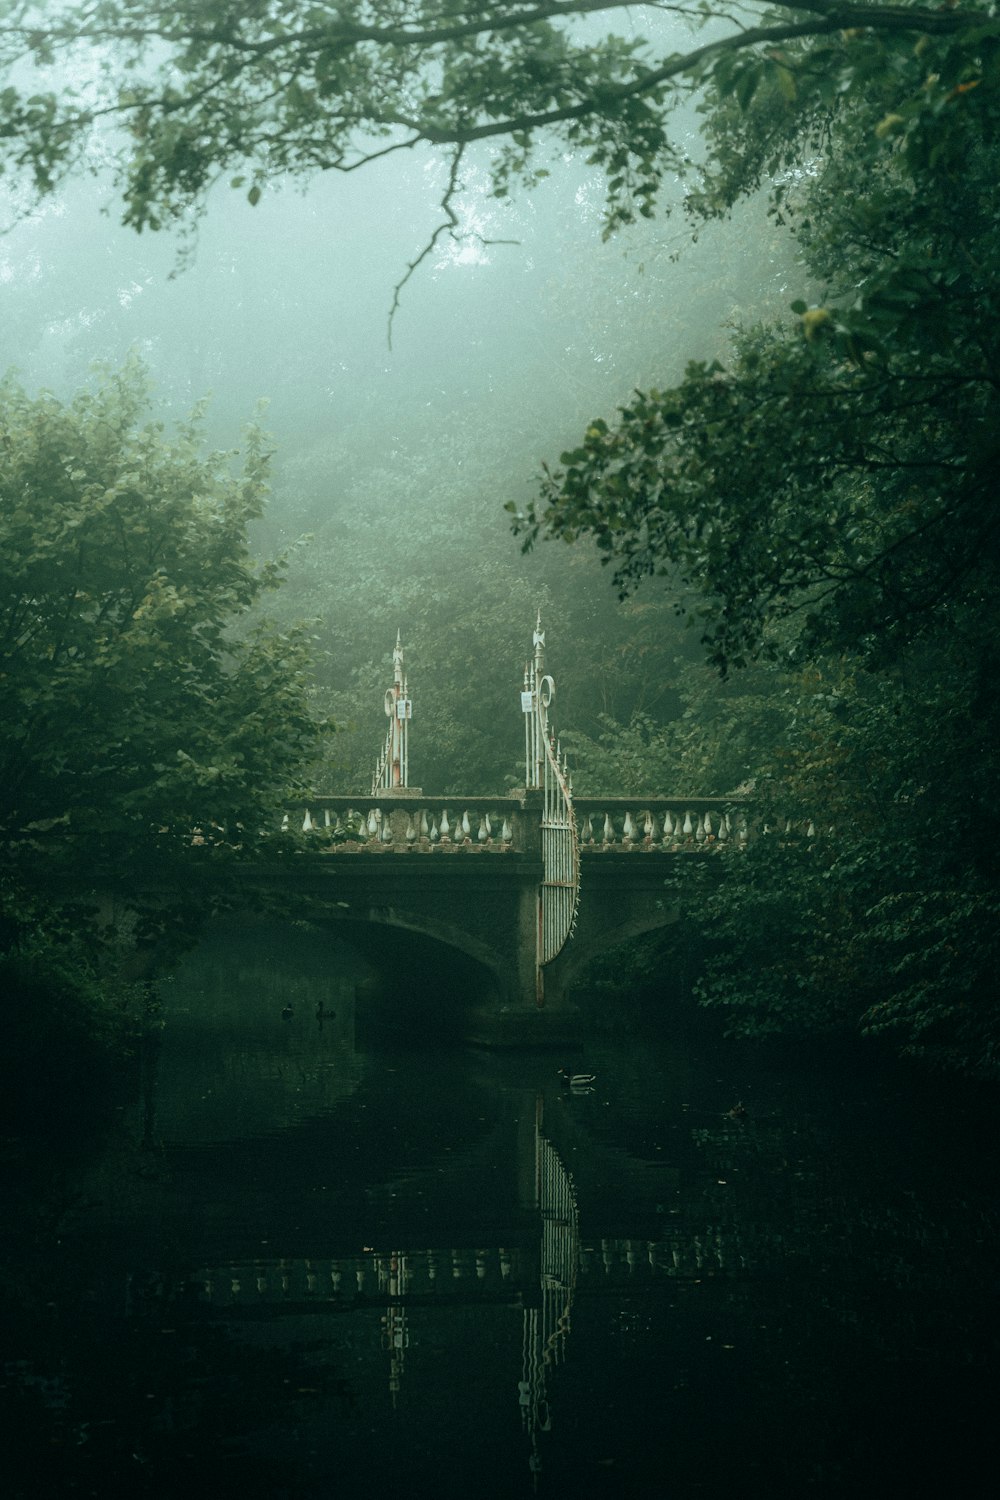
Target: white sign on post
x,y
527,702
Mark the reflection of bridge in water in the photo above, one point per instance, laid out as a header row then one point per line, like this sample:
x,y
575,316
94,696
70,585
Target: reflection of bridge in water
x,y
539,1276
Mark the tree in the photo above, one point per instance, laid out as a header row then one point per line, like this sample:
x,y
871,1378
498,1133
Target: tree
x,y
207,88
828,491
841,465
138,699
886,919
150,726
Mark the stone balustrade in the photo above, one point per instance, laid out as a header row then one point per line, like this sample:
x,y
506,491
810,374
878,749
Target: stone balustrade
x,y
676,824
409,821
662,824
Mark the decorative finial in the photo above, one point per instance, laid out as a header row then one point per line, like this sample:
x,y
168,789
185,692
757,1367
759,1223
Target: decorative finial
x,y
538,639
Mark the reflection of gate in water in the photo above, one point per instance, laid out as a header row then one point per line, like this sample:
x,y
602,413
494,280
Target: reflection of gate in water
x,y
546,1325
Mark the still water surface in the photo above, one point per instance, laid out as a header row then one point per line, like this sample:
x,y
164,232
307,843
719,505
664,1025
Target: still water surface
x,y
321,1262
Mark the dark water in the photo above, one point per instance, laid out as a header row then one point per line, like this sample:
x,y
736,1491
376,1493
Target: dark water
x,y
320,1262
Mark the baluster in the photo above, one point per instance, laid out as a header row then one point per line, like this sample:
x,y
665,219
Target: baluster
x,y
308,826
385,833
411,831
434,834
484,831
708,827
649,829
506,832
285,824
687,827
445,826
609,830
374,819
628,831
724,829
424,825
668,827
587,831
466,828
699,833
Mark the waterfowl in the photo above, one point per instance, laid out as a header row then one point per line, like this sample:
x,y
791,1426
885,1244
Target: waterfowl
x,y
738,1111
287,1013
576,1080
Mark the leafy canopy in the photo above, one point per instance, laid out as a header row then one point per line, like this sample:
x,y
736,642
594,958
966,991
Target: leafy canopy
x,y
209,89
137,700
840,465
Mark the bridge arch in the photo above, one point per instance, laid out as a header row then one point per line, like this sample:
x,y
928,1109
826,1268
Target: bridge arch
x,y
446,933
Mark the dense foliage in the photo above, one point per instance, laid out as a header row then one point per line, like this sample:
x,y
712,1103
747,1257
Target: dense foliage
x,y
140,714
129,705
829,492
208,87
842,467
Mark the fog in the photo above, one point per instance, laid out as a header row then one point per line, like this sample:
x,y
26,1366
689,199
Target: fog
x,y
394,456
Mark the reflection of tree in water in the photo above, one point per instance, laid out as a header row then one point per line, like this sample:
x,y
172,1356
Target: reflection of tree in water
x,y
255,1038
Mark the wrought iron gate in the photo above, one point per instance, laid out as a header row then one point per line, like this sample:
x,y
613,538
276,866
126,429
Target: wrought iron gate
x,y
545,770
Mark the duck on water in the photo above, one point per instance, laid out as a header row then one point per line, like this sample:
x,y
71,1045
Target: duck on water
x,y
576,1080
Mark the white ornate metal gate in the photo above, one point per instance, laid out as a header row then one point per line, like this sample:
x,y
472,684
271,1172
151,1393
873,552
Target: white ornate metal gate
x,y
545,770
393,767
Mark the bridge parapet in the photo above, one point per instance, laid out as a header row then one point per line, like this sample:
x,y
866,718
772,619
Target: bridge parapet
x,y
407,821
661,824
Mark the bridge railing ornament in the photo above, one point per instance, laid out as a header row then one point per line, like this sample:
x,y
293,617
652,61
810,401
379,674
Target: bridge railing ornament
x,y
417,823
393,766
662,824
604,825
545,770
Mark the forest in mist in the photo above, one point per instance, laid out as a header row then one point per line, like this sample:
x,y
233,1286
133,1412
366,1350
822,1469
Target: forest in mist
x,y
712,303
392,464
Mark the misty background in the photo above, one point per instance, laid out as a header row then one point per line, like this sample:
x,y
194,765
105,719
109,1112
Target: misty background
x,y
393,459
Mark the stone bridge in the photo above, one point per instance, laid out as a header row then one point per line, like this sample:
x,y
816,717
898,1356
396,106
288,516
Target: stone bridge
x,y
531,885
469,872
